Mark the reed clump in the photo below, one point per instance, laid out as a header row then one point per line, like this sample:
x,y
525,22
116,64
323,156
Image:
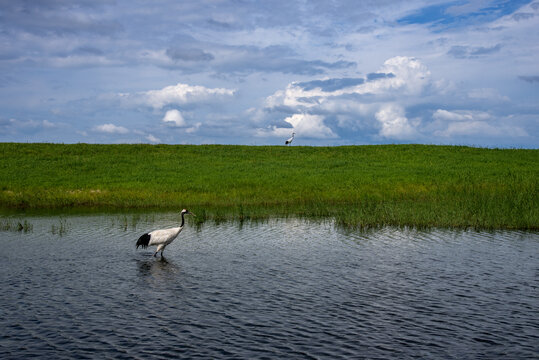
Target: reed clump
x,y
12,225
403,185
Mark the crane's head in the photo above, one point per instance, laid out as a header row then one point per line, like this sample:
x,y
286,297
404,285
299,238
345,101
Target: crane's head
x,y
186,212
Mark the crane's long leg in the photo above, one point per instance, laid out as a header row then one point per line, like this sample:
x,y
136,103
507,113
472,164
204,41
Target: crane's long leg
x,y
159,248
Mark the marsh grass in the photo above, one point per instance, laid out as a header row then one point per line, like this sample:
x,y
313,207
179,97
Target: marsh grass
x,y
127,222
61,228
363,186
16,225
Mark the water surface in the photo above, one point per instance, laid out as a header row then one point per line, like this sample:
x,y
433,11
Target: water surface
x,y
75,287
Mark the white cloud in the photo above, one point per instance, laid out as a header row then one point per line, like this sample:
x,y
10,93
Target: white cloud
x,y
26,125
274,131
262,55
311,126
411,76
378,101
394,122
479,128
406,76
179,94
473,123
183,94
152,139
48,124
174,118
304,125
459,115
111,129
193,128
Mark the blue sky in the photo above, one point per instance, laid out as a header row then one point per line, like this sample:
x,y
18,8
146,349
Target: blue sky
x,y
252,72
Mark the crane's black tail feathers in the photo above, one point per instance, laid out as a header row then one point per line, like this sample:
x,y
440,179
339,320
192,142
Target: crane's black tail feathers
x,y
143,241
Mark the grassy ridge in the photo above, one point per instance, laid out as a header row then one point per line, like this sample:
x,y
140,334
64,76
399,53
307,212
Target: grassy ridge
x,y
358,185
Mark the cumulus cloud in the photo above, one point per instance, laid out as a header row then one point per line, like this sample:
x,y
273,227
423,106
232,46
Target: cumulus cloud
x,y
383,104
411,76
179,94
370,102
152,139
460,123
305,126
479,128
310,126
111,129
394,122
194,128
332,72
174,118
399,75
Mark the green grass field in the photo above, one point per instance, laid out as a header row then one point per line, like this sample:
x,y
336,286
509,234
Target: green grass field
x,y
403,185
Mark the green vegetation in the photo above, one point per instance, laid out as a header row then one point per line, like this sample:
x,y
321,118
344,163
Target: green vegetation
x,y
10,225
415,185
60,229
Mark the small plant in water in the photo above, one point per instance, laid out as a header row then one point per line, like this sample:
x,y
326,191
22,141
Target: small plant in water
x,y
21,226
60,229
5,225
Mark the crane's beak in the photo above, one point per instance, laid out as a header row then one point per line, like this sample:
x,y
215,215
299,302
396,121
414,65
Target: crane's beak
x,y
190,213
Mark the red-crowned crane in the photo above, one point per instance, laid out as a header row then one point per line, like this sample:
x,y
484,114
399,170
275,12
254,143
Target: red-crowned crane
x,y
289,141
161,238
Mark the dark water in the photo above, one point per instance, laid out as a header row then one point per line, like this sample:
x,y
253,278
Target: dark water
x,y
77,288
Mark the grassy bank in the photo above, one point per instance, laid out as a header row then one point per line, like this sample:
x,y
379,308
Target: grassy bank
x,y
358,185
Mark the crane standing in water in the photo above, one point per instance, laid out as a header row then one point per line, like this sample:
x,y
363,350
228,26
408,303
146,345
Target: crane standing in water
x,y
161,238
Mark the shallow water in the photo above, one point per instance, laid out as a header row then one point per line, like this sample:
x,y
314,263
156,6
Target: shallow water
x,y
75,287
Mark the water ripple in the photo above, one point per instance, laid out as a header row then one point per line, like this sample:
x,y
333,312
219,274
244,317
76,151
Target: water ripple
x,y
278,289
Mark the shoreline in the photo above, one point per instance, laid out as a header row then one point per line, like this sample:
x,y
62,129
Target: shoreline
x,y
357,186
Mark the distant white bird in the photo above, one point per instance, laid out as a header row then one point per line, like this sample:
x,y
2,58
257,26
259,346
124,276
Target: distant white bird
x,y
289,141
161,238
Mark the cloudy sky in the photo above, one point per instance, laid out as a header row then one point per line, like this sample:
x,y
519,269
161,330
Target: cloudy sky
x,y
462,72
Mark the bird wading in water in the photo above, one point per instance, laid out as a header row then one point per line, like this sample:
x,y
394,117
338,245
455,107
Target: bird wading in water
x,y
161,238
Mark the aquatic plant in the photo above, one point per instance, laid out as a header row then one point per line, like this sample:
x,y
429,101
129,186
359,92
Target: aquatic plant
x,y
19,225
60,228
